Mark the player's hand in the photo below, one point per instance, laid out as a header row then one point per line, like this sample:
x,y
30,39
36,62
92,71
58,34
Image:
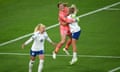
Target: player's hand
x,y
54,44
63,23
23,46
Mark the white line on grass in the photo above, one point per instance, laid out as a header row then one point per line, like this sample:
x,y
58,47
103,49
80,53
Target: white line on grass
x,y
98,10
83,15
24,36
88,56
113,9
115,69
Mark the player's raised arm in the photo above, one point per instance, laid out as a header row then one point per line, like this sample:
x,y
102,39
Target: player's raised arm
x,y
27,42
49,40
31,38
73,12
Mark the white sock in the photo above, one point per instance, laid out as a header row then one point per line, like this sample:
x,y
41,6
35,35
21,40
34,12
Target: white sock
x,y
30,65
74,54
40,67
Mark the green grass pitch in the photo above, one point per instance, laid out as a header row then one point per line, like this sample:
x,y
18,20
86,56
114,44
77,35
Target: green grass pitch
x,y
100,35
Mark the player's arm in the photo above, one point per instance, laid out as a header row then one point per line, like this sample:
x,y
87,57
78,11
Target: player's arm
x,y
75,13
49,40
75,17
66,20
69,18
28,41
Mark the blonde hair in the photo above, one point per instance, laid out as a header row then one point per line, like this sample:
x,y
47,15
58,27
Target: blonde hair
x,y
73,9
37,28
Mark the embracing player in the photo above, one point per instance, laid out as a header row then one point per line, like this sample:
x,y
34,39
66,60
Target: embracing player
x,y
39,36
75,30
64,28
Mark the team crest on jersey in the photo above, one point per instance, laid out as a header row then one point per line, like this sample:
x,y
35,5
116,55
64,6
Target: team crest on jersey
x,y
41,40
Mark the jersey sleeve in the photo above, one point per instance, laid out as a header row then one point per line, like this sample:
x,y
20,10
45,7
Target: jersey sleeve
x,y
75,17
34,35
30,39
47,37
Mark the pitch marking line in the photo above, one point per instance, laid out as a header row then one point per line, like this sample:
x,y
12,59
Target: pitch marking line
x,y
113,9
88,56
83,15
115,69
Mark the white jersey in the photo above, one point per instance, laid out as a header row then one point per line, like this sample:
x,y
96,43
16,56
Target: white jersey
x,y
74,27
39,40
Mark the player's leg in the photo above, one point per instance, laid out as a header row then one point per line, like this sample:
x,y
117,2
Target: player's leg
x,y
63,39
59,45
68,43
74,48
32,60
41,61
63,33
74,58
75,37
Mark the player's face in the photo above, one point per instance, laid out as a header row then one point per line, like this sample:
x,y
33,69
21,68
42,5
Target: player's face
x,y
42,29
61,7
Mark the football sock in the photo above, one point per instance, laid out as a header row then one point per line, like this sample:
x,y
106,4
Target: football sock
x,y
40,67
74,54
30,65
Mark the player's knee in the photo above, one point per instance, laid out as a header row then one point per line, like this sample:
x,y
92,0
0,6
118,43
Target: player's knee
x,y
41,61
62,42
32,58
32,61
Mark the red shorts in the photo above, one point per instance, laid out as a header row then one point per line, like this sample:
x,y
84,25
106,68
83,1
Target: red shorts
x,y
64,30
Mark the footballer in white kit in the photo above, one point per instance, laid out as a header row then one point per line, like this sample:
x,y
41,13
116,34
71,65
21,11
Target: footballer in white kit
x,y
38,44
75,30
74,27
39,36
